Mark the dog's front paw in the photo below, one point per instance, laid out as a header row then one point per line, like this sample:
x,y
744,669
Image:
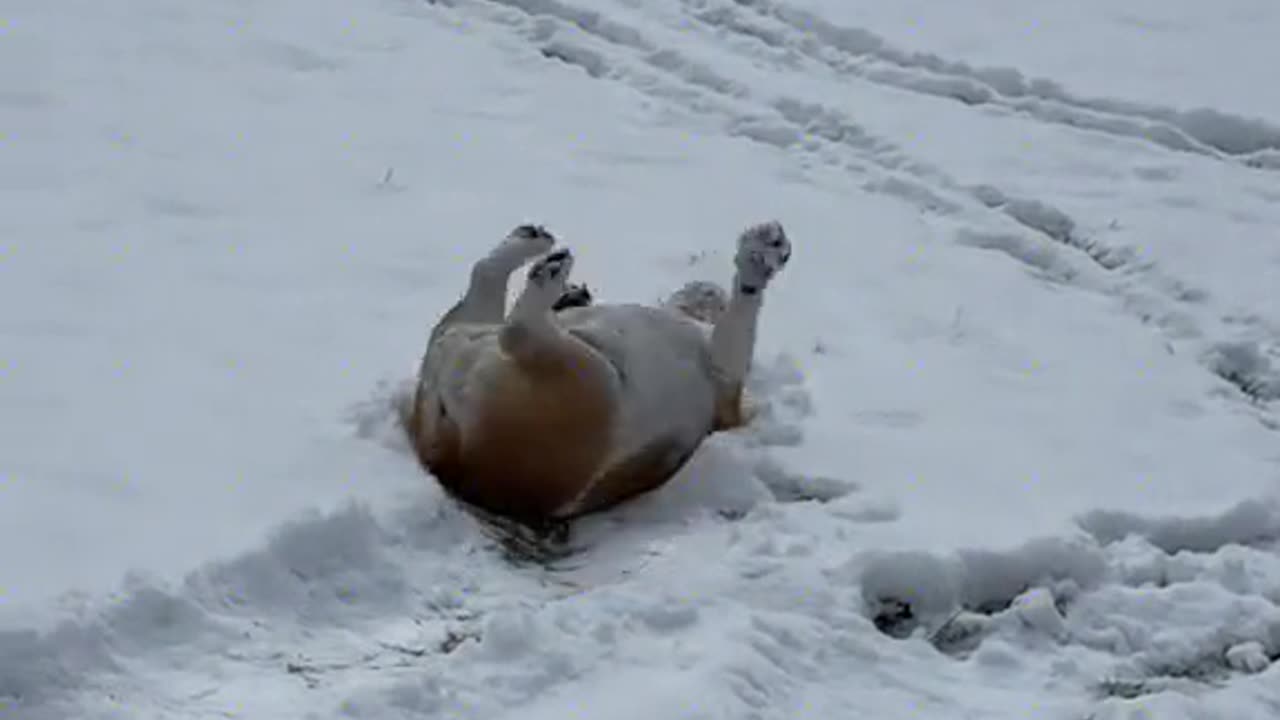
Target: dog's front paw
x,y
552,270
523,244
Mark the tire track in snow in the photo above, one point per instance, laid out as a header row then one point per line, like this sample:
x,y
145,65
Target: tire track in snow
x,y
1245,362
607,49
864,54
1034,232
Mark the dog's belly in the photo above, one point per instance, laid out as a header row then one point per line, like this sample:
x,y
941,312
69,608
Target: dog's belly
x,y
523,445
666,397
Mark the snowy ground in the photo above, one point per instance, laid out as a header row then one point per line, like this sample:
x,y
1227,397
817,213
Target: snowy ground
x,y
1020,448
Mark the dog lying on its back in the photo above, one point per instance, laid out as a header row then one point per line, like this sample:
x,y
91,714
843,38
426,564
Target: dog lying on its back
x,y
562,407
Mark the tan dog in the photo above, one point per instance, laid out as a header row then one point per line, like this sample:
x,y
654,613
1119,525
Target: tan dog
x,y
543,414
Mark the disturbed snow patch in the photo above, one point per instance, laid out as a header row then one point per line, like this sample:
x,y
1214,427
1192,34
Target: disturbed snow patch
x,y
1148,605
909,591
729,475
1249,522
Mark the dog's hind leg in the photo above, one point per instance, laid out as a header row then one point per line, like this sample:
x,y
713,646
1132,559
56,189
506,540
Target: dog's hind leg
x,y
539,427
433,432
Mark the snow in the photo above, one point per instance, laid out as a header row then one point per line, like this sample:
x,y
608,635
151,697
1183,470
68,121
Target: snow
x,y
1015,451
1183,55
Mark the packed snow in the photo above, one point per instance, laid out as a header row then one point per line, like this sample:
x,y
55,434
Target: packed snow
x,y
1018,444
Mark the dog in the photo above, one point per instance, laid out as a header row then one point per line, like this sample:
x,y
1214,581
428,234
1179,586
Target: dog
x,y
564,407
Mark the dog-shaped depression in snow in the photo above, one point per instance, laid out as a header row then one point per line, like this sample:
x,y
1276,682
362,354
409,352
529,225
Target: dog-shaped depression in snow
x,y
562,407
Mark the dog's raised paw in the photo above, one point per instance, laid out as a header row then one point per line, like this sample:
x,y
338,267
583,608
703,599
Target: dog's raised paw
x,y
763,250
552,269
523,244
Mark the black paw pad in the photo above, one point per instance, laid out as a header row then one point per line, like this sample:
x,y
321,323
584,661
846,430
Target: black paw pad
x,y
537,232
575,296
